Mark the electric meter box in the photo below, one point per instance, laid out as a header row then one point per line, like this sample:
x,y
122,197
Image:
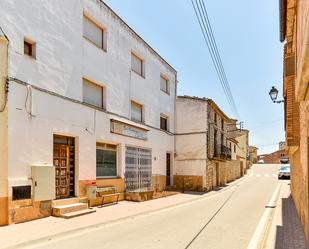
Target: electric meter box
x,y
43,180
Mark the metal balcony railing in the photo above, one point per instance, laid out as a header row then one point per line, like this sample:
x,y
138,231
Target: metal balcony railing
x,y
222,152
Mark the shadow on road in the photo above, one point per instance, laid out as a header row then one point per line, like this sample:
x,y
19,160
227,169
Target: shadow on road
x,y
290,235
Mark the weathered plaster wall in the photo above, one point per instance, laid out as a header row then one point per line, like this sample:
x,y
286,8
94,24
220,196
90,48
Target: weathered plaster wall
x,y
3,134
63,58
191,140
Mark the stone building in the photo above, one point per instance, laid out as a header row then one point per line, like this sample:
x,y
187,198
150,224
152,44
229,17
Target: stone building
x,y
253,157
83,100
294,33
206,157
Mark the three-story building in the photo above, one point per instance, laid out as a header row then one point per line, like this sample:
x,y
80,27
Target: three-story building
x,y
82,93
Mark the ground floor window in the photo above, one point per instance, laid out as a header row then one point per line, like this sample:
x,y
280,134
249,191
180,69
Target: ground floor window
x,y
106,160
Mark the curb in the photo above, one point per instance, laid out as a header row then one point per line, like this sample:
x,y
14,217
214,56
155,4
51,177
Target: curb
x,y
123,219
260,235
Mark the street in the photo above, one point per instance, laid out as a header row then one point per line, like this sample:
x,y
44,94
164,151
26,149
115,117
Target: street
x,y
224,220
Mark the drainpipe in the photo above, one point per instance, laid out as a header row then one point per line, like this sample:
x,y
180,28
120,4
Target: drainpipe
x,y
4,50
4,45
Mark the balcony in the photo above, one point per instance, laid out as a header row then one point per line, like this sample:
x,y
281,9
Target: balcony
x,y
222,152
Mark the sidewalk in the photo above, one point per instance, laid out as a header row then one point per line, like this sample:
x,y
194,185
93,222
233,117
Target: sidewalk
x,y
285,230
51,226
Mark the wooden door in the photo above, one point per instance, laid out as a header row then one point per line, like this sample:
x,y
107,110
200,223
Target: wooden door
x,y
217,175
61,162
168,169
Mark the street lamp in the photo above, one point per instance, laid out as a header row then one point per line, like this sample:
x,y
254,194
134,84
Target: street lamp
x,y
273,93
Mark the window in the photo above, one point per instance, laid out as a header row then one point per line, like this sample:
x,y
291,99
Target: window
x,y
106,160
137,65
136,112
29,48
164,86
222,124
163,123
234,148
92,94
94,33
215,117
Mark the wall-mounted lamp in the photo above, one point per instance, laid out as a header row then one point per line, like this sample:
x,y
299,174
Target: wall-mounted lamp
x,y
273,93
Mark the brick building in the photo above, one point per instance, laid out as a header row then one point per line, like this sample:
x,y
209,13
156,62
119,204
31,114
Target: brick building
x,y
294,33
274,157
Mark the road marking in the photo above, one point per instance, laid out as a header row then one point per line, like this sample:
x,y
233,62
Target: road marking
x,y
258,175
259,235
266,175
275,175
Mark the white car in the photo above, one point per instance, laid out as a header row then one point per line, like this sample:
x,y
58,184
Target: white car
x,y
284,172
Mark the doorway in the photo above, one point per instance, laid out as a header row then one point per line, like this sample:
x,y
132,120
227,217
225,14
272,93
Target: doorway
x,y
217,175
241,168
64,163
138,169
168,169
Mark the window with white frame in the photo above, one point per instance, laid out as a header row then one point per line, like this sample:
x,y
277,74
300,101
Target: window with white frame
x,y
137,65
106,155
136,112
163,122
94,33
93,94
164,84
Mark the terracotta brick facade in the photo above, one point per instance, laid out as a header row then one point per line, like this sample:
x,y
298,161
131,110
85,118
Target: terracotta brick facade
x,y
273,158
294,24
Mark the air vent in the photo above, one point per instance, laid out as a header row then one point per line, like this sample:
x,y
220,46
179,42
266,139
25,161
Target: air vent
x,y
21,192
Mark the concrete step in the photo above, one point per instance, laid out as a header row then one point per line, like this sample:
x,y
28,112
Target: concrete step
x,y
78,213
64,209
66,201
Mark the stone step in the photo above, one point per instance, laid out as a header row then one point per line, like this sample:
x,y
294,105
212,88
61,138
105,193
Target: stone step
x,y
64,209
78,213
66,201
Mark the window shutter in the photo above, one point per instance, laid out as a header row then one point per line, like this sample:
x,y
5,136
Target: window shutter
x,y
136,112
136,64
164,84
93,32
92,93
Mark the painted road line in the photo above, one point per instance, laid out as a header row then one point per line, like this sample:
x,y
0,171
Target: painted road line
x,y
258,175
258,237
275,175
266,175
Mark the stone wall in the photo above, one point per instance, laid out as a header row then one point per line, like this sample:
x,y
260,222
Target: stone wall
x,y
188,183
233,170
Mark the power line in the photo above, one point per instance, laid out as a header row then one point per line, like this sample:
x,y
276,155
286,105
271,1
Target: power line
x,y
204,23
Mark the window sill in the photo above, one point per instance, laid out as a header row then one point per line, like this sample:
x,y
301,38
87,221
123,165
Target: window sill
x,y
31,57
103,49
167,93
95,107
140,75
107,177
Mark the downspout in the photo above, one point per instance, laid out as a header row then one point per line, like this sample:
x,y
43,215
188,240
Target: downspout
x,y
4,46
4,87
175,129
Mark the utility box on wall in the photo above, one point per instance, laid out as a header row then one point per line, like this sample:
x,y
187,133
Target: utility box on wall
x,y
43,178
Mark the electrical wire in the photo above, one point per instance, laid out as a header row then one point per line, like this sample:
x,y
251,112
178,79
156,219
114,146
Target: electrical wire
x,y
204,23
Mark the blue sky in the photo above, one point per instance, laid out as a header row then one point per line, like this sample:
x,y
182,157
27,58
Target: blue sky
x,y
247,36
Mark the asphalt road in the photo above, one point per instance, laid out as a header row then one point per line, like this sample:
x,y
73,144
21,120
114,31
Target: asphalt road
x,y
226,220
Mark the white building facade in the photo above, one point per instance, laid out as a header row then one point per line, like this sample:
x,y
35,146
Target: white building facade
x,y
87,96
